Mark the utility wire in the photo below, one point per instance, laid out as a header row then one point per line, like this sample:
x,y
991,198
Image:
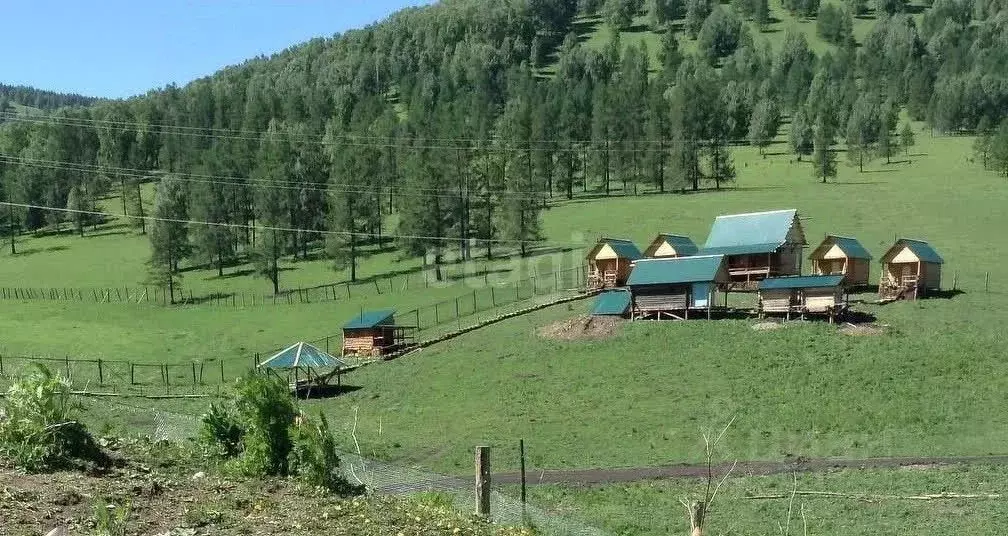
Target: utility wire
x,y
394,142
274,228
260,183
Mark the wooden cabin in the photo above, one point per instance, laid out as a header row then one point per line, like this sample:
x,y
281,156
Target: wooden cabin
x,y
910,269
375,334
842,255
803,295
757,245
672,287
669,245
610,263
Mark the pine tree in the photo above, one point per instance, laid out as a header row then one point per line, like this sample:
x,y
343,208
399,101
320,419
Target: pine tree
x,y
823,157
764,124
272,176
169,235
907,137
802,134
78,204
211,243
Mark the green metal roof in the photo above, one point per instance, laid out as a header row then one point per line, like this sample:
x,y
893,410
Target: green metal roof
x,y
851,247
762,228
801,281
611,302
675,270
302,354
370,319
624,248
741,249
923,250
683,245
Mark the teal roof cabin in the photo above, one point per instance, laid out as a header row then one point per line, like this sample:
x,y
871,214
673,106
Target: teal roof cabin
x,y
910,268
803,295
612,303
610,262
672,287
757,245
670,245
842,255
375,333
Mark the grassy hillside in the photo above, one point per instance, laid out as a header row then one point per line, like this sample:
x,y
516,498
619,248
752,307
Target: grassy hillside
x,y
595,34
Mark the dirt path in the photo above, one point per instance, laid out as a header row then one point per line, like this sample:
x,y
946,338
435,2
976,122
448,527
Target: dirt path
x,y
747,468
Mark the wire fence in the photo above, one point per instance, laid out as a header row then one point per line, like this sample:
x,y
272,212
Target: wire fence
x,y
458,274
387,478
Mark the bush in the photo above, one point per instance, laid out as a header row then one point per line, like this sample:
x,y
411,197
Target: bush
x,y
38,426
258,436
314,458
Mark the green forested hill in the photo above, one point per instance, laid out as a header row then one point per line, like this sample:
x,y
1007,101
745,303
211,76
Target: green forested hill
x,y
461,120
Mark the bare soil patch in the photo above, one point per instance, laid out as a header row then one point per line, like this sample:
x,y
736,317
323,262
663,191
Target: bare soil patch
x,y
863,329
582,328
767,325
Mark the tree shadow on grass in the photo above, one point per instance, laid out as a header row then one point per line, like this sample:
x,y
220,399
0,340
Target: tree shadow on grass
x,y
946,294
33,251
326,391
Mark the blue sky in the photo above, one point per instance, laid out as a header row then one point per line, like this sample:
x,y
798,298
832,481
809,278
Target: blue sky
x,y
119,48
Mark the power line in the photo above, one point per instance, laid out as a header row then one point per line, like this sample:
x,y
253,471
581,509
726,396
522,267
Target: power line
x,y
381,142
273,228
266,184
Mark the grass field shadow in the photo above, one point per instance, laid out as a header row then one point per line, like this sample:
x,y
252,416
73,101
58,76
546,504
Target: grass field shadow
x,y
946,294
327,391
33,251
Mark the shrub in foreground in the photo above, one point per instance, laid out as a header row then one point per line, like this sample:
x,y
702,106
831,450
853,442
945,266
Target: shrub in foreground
x,y
39,430
260,432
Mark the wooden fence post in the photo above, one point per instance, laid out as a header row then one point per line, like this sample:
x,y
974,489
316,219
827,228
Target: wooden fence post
x,y
167,381
221,370
101,375
67,367
1,364
521,454
493,299
986,281
483,481
955,280
458,316
194,373
132,374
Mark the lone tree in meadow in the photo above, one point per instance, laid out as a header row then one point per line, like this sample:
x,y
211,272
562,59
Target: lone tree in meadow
x,y
77,205
169,236
907,137
823,158
802,134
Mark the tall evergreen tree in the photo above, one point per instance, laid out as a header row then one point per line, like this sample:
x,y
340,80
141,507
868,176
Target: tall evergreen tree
x,y
823,157
169,234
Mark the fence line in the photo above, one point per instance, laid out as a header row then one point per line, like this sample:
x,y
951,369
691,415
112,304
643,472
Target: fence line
x,y
329,292
209,376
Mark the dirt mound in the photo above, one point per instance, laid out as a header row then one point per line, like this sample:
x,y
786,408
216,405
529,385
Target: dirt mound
x,y
863,329
767,325
582,327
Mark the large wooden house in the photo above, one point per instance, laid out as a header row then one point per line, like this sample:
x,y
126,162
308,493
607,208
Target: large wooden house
x,y
910,269
610,263
375,334
842,255
802,295
758,245
669,245
673,287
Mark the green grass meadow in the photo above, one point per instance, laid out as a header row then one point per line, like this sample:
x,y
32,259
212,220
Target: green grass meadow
x,y
874,504
931,385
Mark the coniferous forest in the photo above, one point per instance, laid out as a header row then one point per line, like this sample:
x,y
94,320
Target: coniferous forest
x,y
466,119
